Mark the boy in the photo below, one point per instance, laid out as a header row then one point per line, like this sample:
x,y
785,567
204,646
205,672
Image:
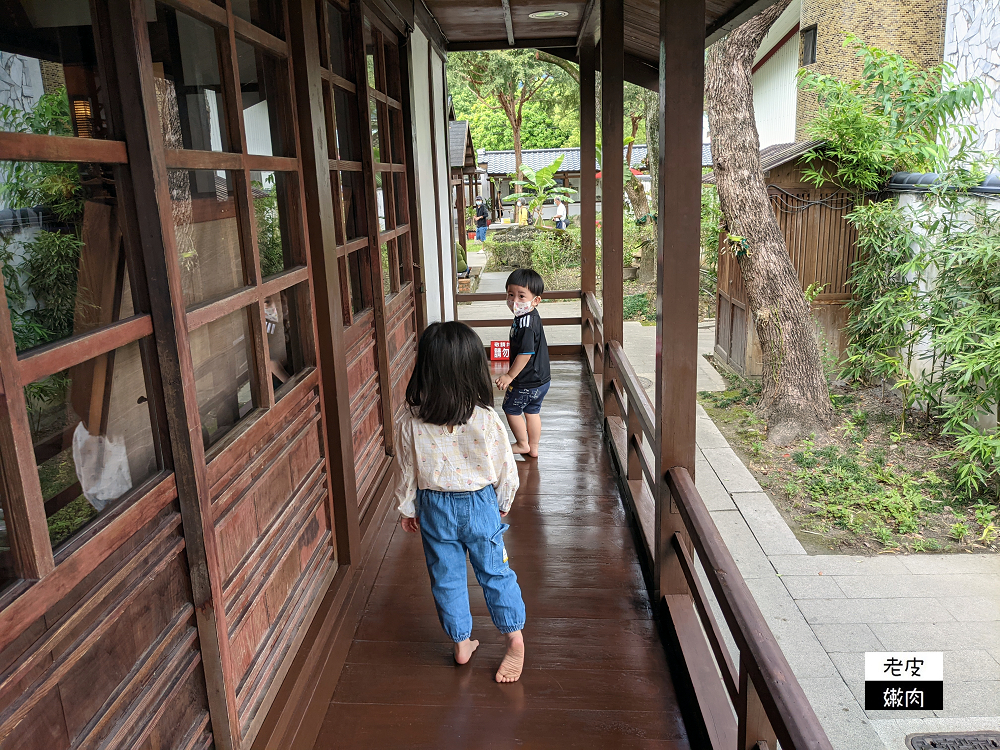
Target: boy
x,y
527,380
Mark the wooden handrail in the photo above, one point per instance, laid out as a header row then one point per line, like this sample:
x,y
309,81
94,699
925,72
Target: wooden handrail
x,y
594,308
505,322
788,710
502,296
638,399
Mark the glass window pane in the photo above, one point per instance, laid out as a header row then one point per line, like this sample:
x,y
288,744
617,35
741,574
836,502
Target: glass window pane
x,y
386,277
286,314
405,267
357,268
93,437
49,81
353,196
380,198
391,69
264,83
400,196
273,198
339,25
374,124
188,83
7,572
207,233
61,250
348,131
222,352
264,14
370,54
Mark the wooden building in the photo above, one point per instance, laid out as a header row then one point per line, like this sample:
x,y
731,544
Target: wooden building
x,y
206,338
822,245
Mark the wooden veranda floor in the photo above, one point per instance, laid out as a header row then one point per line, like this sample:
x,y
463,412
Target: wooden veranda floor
x,y
595,673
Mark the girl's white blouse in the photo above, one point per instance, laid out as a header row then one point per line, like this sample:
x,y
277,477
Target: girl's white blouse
x,y
454,459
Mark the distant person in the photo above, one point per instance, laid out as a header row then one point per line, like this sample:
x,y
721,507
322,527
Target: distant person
x,y
458,479
560,214
482,219
527,380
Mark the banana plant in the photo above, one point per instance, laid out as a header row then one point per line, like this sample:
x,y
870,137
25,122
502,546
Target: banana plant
x,y
538,186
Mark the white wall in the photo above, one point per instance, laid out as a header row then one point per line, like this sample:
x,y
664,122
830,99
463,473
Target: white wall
x,y
774,84
774,95
972,45
424,166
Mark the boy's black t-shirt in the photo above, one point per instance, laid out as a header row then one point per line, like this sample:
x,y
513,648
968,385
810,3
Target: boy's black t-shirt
x,y
528,337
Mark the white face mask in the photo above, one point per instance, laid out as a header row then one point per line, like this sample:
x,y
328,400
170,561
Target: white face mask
x,y
520,308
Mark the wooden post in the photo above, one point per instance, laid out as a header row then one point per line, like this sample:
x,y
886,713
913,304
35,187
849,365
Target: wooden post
x,y
612,174
588,158
148,224
460,210
326,282
682,29
752,724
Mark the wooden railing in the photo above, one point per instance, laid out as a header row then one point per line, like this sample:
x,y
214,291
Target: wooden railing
x,y
554,350
758,703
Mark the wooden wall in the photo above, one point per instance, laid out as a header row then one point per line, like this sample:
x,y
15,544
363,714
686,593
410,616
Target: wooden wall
x,y
821,244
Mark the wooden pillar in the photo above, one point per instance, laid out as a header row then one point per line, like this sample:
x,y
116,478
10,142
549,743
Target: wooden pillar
x,y
588,158
460,209
682,52
326,277
612,171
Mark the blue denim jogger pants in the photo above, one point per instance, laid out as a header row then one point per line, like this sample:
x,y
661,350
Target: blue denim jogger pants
x,y
451,524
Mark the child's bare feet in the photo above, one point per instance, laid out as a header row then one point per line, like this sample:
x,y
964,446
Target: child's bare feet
x,y
513,660
464,650
520,449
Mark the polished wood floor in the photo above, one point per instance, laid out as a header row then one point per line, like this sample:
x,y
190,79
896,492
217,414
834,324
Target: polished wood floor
x,y
595,673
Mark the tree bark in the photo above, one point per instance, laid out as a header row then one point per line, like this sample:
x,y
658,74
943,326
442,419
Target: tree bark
x,y
795,399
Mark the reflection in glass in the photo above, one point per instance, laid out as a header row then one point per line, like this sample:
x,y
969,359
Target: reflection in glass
x,y
49,80
374,123
348,132
386,278
380,201
188,83
271,211
353,195
262,81
60,250
92,436
339,24
357,265
207,233
391,69
221,352
400,197
8,574
284,315
405,268
264,14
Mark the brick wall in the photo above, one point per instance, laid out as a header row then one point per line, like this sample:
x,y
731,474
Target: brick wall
x,y
913,28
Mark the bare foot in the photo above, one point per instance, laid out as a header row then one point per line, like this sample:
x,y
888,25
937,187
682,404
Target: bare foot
x,y
513,660
533,452
464,651
520,449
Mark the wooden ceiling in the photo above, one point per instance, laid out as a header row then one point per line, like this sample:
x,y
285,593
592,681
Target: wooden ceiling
x,y
492,24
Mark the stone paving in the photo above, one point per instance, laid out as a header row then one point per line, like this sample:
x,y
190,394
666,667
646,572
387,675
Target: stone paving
x,y
826,611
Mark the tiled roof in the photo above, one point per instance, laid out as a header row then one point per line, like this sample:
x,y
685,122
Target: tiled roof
x,y
773,156
919,182
706,154
458,135
502,162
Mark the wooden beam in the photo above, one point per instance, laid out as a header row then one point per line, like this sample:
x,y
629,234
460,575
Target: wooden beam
x,y
334,391
428,24
589,24
613,166
566,43
508,21
678,237
588,175
148,225
734,18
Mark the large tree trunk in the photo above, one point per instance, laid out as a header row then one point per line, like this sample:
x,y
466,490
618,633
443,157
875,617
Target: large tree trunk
x,y
795,399
647,267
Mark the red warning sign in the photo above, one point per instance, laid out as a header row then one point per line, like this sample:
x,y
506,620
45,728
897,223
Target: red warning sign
x,y
500,351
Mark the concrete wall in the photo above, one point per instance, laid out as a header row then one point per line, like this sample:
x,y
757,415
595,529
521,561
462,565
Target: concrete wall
x,y
774,82
972,45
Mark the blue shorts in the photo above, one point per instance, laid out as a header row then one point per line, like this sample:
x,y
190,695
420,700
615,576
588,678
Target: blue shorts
x,y
524,400
481,233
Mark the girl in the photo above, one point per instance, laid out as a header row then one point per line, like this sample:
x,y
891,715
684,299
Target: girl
x,y
458,479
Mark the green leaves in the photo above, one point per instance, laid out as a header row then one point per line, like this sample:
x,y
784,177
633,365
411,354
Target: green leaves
x,y
896,117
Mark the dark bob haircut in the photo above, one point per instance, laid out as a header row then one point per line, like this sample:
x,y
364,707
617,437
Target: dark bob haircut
x,y
451,377
527,278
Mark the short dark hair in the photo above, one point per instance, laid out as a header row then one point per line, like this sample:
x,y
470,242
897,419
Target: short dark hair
x,y
528,278
451,377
